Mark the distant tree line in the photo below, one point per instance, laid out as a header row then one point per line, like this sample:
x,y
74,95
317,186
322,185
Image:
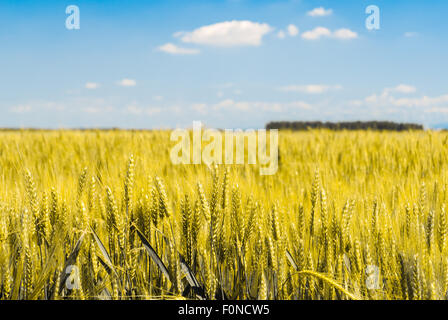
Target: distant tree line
x,y
356,125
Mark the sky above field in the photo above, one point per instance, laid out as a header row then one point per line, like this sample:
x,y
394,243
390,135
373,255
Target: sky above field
x,y
229,63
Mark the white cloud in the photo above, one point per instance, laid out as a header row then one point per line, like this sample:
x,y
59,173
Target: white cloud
x,y
127,83
136,110
152,111
246,106
322,32
424,101
411,34
281,34
316,33
402,88
299,105
132,109
231,104
92,85
293,30
91,106
320,12
157,98
68,106
226,85
310,89
21,109
200,108
173,49
387,100
37,105
437,110
345,34
227,34
92,110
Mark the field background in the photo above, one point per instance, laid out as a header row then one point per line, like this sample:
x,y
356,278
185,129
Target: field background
x,y
342,205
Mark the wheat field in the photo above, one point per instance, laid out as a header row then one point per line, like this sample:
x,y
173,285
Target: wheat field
x,y
106,215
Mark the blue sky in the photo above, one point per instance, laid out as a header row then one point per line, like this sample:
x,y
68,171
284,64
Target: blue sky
x,y
229,63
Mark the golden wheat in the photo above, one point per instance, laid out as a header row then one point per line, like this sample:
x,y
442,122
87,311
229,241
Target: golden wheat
x,y
106,215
